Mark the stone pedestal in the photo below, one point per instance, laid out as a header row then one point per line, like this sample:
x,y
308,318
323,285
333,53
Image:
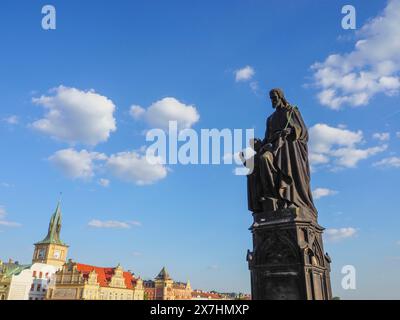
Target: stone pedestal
x,y
288,260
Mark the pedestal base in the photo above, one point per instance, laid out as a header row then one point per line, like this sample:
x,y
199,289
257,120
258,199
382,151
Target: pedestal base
x,y
288,260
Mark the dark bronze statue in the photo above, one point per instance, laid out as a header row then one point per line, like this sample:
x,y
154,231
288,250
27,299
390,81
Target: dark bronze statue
x,y
281,175
287,261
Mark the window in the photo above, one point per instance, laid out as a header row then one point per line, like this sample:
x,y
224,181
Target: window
x,y
38,287
41,275
34,274
32,287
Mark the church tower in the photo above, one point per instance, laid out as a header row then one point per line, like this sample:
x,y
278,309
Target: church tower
x,y
51,250
163,285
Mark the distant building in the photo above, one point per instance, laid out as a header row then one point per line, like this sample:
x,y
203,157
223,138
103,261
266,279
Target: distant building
x,y
213,295
8,284
30,281
204,295
76,281
164,288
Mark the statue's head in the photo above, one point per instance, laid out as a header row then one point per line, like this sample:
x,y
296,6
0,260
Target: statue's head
x,y
277,98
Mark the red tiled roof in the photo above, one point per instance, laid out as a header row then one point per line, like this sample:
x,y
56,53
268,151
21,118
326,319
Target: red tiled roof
x,y
104,275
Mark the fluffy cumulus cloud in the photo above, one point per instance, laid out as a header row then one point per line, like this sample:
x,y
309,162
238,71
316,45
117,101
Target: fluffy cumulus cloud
x,y
126,166
334,235
338,148
381,136
168,109
112,224
76,164
76,116
244,74
4,222
372,67
136,167
319,193
391,162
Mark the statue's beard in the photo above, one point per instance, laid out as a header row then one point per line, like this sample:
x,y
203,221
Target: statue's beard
x,y
277,105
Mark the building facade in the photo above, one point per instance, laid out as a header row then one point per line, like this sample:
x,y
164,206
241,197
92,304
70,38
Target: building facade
x,y
76,281
164,288
25,282
30,281
11,283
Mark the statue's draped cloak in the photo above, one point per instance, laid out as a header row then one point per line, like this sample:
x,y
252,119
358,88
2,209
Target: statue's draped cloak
x,y
291,156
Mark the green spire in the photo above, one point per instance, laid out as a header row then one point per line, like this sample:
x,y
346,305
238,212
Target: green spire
x,y
53,234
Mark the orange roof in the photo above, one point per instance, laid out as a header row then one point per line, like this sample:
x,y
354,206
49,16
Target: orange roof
x,y
104,275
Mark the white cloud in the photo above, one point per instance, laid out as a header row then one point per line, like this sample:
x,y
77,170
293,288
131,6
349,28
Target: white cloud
x,y
393,162
76,116
323,137
340,146
113,224
318,158
349,157
135,223
135,167
104,182
323,192
12,120
136,111
340,234
168,109
398,134
4,222
76,164
126,166
244,74
5,185
110,224
381,136
371,68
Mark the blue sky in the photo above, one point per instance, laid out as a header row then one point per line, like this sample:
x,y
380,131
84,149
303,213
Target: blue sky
x,y
194,219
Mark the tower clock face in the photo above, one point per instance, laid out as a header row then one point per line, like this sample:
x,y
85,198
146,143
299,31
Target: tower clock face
x,y
57,254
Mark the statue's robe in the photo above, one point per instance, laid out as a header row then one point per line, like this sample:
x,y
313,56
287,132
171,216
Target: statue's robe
x,y
254,187
284,167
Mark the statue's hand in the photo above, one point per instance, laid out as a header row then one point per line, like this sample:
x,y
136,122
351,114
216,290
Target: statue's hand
x,y
265,148
286,132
